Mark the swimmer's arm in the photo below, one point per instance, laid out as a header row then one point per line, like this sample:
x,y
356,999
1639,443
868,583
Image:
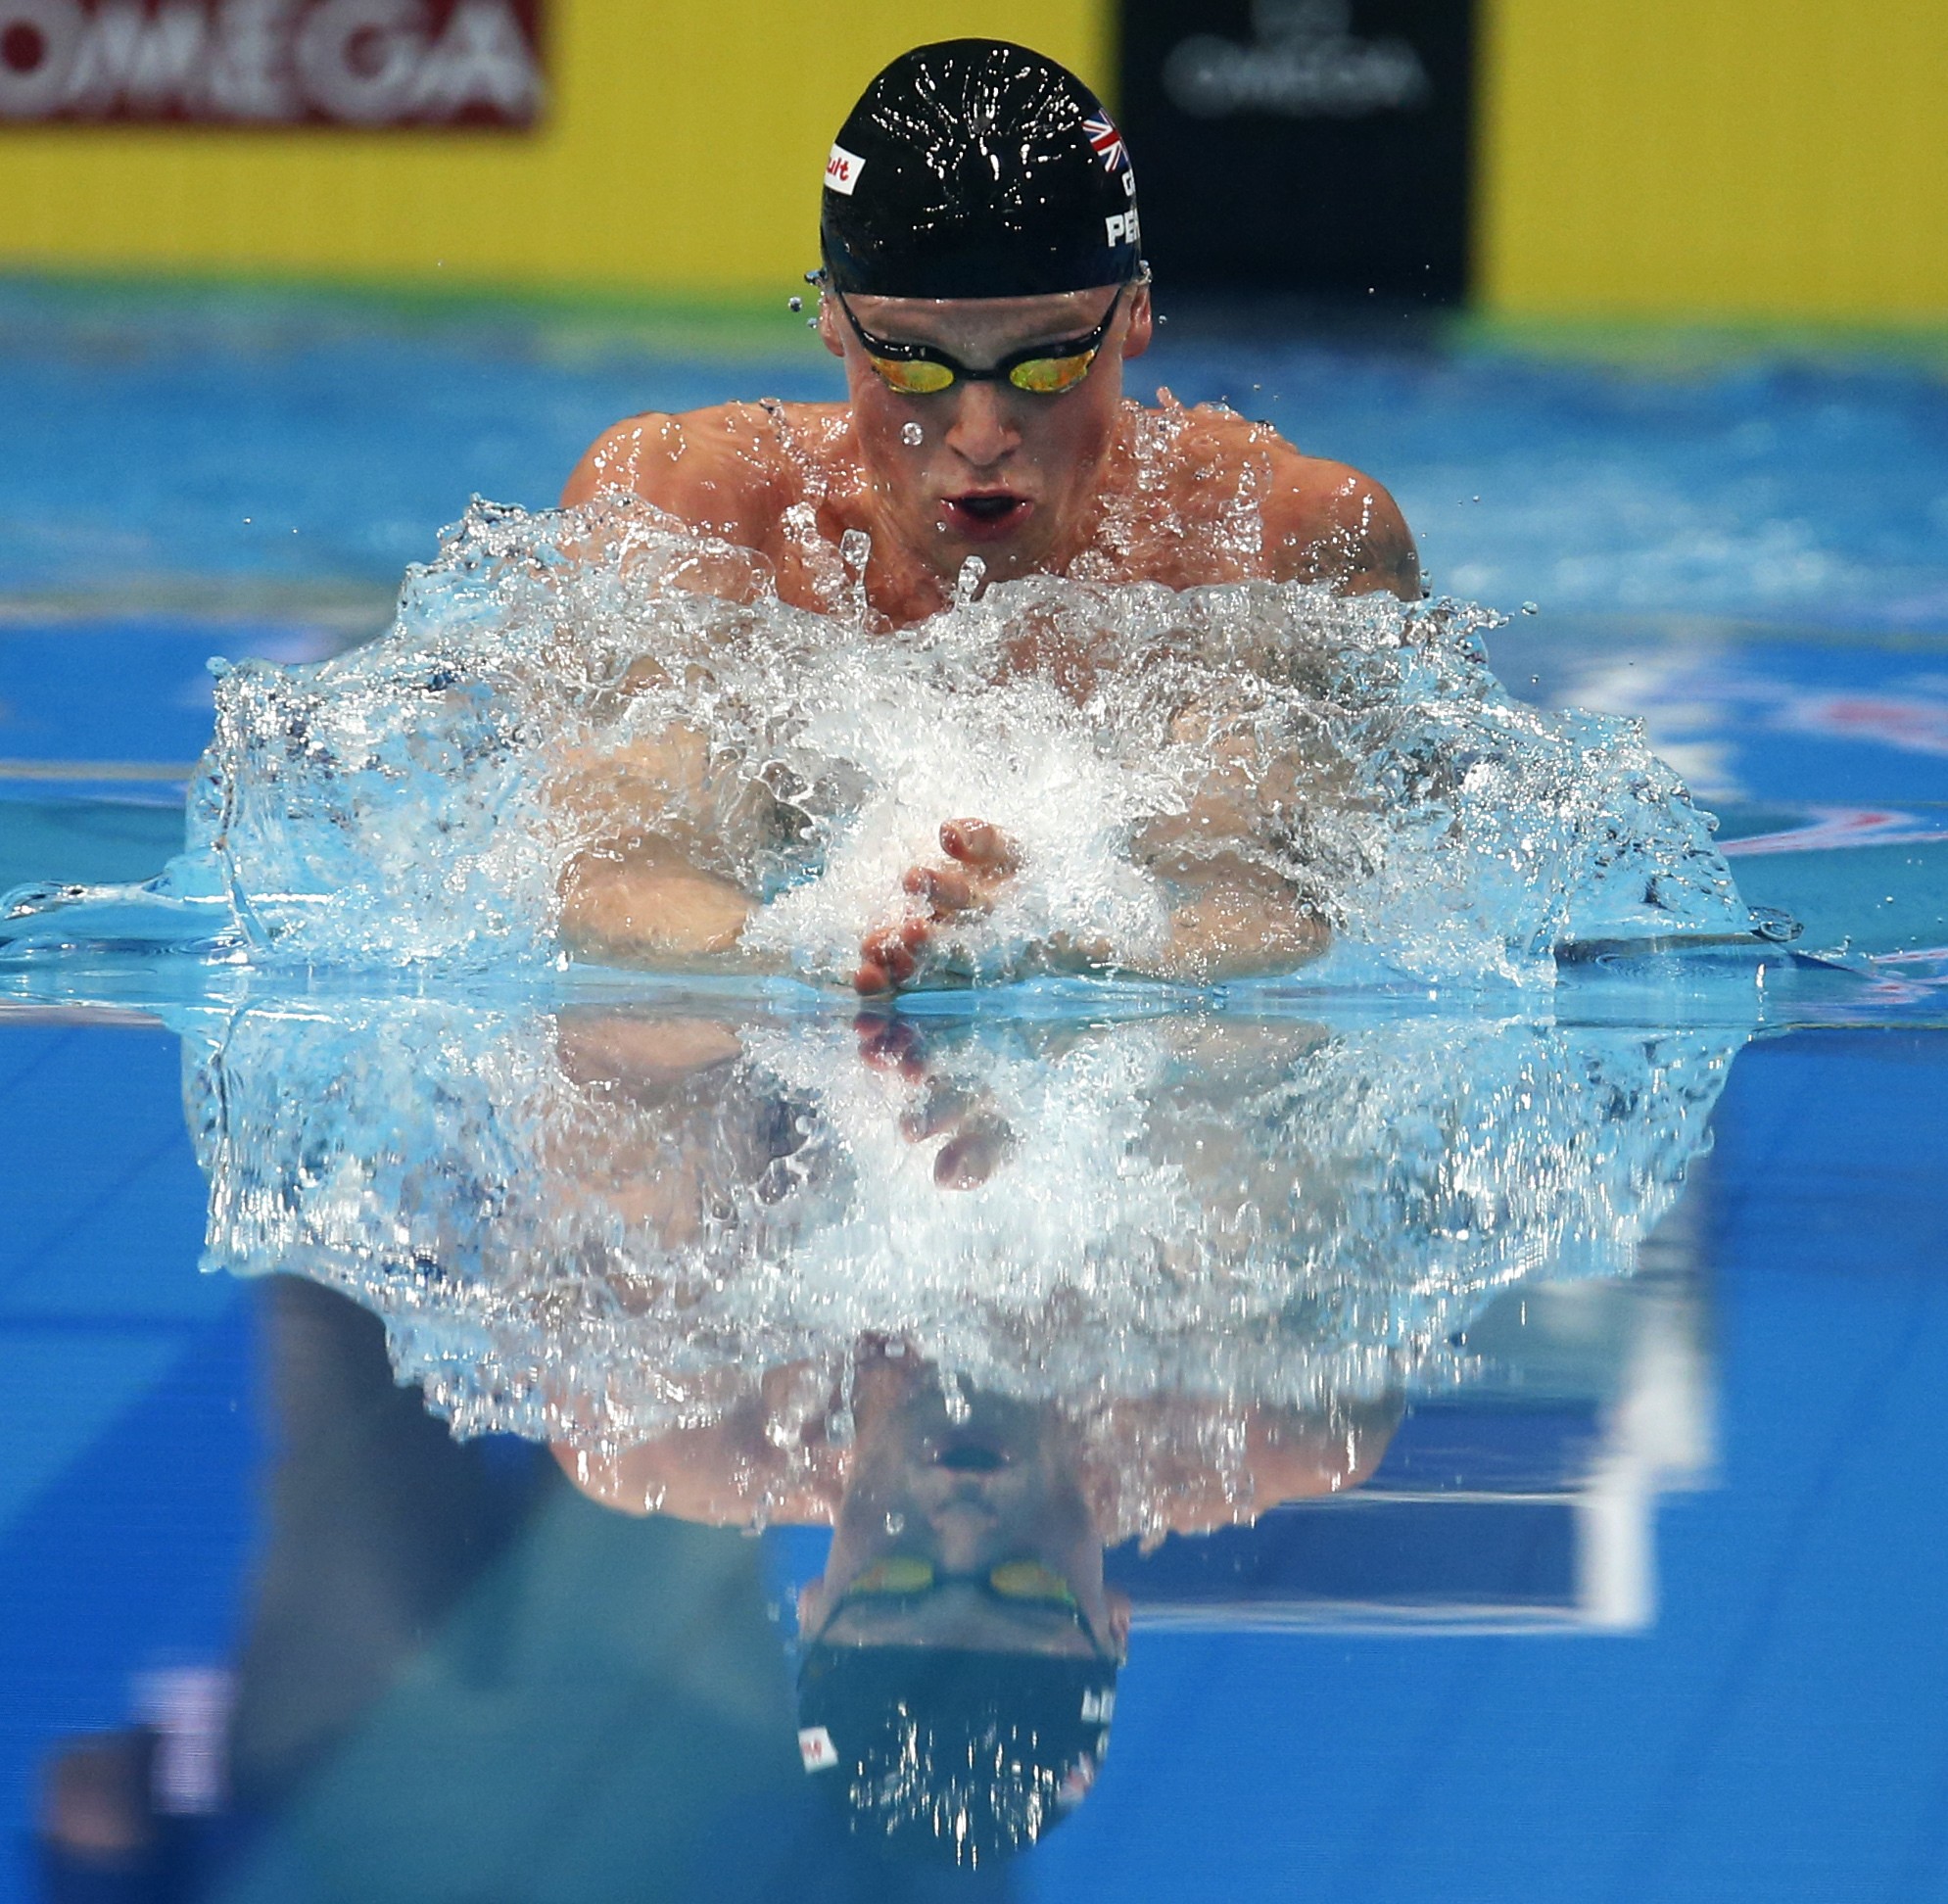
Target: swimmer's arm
x,y
1232,922
715,1477
628,910
726,1474
1325,522
1287,1455
1240,928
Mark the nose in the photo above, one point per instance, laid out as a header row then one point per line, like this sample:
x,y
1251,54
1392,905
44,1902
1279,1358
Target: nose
x,y
982,431
963,1528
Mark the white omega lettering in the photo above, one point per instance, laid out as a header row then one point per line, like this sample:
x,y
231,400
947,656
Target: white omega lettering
x,y
357,59
250,73
479,60
37,42
148,61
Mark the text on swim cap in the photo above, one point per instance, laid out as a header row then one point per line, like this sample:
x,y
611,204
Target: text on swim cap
x,y
1120,228
842,170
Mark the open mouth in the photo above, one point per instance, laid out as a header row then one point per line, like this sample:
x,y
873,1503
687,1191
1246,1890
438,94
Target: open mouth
x,y
970,1457
987,513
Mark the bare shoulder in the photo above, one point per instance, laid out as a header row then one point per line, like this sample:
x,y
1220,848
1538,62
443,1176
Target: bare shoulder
x,y
724,469
1324,521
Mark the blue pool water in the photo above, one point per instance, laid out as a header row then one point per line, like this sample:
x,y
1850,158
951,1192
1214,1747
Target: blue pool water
x,y
1636,1284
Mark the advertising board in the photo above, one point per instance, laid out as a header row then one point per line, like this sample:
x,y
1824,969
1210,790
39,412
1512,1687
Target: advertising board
x,y
367,64
1316,146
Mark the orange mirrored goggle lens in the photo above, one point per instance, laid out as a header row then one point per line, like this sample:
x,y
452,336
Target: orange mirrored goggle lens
x,y
912,376
1044,376
903,1574
1048,376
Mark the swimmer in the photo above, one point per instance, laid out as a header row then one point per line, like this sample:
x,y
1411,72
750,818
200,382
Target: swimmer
x,y
959,1652
983,286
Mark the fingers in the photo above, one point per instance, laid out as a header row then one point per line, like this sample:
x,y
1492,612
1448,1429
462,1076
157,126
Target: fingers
x,y
967,1158
941,1107
974,843
982,856
890,956
892,1044
945,889
977,1138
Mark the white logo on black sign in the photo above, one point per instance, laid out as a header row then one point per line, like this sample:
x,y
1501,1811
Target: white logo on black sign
x,y
1305,62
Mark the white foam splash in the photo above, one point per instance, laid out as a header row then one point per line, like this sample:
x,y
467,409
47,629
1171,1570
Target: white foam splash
x,y
593,1226
561,679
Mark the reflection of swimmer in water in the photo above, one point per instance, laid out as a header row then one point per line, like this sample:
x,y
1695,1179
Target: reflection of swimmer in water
x,y
983,286
958,1655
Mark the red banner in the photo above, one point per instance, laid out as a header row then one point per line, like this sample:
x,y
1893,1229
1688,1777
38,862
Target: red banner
x,y
351,63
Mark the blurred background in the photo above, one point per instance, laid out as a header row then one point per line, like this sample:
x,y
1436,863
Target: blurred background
x,y
1533,159
1639,307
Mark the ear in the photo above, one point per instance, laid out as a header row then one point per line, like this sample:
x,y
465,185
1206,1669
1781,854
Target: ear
x,y
1118,1605
1141,325
829,327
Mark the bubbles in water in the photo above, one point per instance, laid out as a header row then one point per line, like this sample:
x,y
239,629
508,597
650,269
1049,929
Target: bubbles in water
x,y
912,435
607,680
597,1224
895,1523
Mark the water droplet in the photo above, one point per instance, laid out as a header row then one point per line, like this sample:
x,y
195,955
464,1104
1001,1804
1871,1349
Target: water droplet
x,y
795,304
967,584
1531,609
895,1523
912,435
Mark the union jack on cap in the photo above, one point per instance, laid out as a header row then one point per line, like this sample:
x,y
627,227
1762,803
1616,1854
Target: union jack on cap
x,y
1107,143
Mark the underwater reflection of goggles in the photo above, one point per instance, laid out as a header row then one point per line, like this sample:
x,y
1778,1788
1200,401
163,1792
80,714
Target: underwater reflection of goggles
x,y
921,370
1016,1583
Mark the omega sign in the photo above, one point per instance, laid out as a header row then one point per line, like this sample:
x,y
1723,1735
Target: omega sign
x,y
357,62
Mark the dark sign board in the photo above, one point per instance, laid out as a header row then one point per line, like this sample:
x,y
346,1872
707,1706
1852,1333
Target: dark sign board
x,y
473,63
1318,146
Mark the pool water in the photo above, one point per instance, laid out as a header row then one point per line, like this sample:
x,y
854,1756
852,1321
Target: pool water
x,y
1626,1296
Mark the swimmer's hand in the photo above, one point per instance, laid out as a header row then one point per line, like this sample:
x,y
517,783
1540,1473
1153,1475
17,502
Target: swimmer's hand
x,y
979,860
977,1136
1230,919
648,909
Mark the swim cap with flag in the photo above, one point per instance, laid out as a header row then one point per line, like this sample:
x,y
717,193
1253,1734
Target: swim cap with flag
x,y
977,169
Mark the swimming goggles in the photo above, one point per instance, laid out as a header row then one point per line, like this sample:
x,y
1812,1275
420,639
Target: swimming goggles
x,y
922,370
1014,1583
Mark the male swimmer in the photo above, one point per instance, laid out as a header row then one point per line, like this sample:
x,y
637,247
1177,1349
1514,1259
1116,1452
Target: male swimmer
x,y
983,286
959,1653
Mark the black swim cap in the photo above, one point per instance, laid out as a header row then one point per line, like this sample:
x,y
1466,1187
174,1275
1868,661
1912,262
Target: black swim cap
x,y
943,1756
976,169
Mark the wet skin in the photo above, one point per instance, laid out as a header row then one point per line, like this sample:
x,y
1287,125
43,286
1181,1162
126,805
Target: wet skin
x,y
1028,483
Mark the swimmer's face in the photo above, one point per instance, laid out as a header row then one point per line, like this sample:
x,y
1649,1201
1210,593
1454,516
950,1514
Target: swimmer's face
x,y
1006,474
968,1495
